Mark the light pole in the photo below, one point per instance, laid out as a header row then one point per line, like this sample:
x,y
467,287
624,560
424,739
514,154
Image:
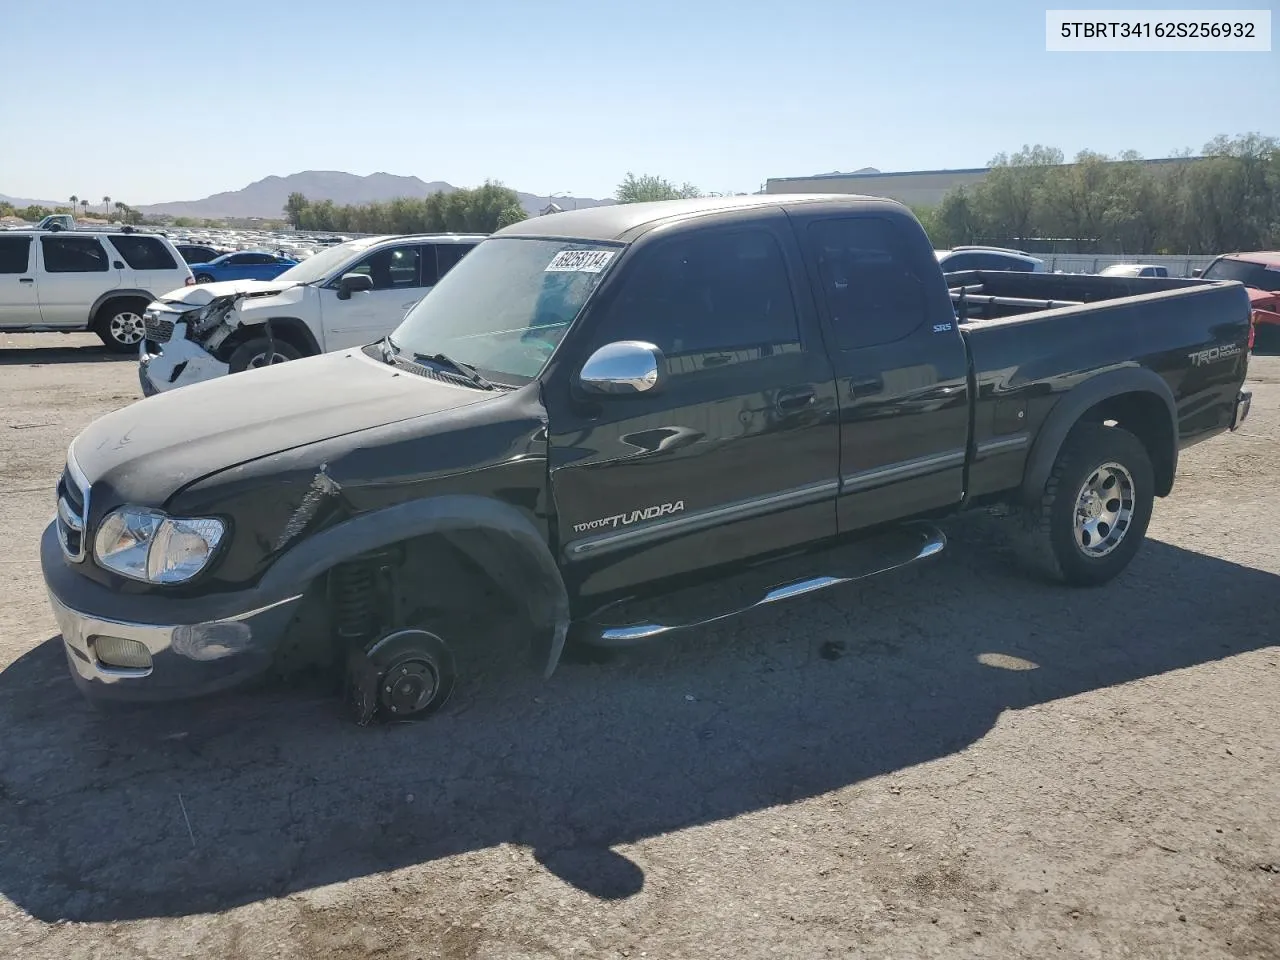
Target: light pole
x,y
564,194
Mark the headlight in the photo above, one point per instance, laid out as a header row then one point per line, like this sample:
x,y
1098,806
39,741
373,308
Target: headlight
x,y
147,545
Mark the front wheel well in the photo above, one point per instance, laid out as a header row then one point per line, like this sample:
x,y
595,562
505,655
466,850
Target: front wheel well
x,y
1146,416
443,582
291,330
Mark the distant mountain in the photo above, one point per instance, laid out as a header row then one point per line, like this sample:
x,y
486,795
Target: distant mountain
x,y
848,173
266,198
21,202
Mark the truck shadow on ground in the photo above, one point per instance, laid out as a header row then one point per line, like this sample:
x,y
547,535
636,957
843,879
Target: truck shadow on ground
x,y
178,810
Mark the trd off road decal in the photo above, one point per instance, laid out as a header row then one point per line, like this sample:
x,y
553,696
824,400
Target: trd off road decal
x,y
1213,354
626,519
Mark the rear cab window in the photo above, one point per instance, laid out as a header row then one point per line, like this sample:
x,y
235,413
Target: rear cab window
x,y
143,253
64,254
869,287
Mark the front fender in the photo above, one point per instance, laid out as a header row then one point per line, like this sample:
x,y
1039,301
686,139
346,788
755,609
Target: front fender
x,y
516,554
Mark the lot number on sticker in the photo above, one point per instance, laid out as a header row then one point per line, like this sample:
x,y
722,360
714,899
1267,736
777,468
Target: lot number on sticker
x,y
579,261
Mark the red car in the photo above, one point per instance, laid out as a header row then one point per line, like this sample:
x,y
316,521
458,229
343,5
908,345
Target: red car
x,y
1260,272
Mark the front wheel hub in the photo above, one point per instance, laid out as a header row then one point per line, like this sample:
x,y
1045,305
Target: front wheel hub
x,y
404,675
409,686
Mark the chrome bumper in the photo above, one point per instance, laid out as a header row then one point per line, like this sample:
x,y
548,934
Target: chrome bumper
x,y
200,642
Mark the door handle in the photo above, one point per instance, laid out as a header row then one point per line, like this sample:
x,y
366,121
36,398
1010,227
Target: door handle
x,y
795,401
865,388
26,280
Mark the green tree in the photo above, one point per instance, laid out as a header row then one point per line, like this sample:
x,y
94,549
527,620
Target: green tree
x,y
648,187
34,213
7,209
106,207
294,208
955,220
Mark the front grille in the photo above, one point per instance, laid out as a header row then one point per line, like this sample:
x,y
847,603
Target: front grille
x,y
158,330
73,512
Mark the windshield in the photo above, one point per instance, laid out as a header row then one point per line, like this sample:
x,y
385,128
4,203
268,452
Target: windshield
x,y
506,305
1255,275
322,264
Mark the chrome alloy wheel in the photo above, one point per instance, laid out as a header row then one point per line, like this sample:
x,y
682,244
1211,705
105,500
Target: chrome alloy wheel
x,y
1104,510
127,328
260,360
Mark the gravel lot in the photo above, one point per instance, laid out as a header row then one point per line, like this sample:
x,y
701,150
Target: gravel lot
x,y
957,762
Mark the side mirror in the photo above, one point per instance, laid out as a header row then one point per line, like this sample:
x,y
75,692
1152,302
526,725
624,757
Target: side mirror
x,y
623,367
1197,271
354,283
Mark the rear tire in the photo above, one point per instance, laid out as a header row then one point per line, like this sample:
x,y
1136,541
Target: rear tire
x,y
119,325
253,354
1094,510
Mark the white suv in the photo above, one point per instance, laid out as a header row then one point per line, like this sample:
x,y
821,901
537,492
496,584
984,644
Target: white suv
x,y
350,294
68,281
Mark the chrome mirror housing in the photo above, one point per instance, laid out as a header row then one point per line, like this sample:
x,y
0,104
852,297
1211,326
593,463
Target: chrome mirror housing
x,y
623,367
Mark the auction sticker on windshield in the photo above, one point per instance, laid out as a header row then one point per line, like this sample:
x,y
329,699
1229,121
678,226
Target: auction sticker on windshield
x,y
580,261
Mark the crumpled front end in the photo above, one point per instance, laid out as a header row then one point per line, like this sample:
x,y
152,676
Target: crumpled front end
x,y
187,330
181,344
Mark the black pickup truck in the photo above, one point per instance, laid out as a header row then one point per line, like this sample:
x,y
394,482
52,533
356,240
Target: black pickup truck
x,y
608,424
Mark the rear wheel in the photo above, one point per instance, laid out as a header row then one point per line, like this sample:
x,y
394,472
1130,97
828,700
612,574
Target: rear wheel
x,y
258,353
119,325
1094,510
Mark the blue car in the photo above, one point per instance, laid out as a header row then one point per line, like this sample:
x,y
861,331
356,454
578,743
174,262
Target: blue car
x,y
244,265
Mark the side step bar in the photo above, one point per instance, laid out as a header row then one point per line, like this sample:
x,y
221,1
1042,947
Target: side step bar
x,y
878,555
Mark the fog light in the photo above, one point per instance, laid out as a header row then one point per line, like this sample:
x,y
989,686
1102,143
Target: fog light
x,y
121,653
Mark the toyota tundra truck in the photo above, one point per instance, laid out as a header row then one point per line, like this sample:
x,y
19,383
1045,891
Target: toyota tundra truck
x,y
615,423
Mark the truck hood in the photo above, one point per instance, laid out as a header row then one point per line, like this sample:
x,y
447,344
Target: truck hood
x,y
149,450
201,294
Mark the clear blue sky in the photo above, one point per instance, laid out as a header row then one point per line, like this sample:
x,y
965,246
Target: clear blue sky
x,y
156,101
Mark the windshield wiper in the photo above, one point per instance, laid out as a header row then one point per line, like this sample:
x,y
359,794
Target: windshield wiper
x,y
447,361
389,349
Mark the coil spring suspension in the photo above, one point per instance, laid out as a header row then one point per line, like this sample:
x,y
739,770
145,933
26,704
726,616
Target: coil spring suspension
x,y
356,597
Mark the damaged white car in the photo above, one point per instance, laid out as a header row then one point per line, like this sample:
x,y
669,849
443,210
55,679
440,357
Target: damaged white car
x,y
351,294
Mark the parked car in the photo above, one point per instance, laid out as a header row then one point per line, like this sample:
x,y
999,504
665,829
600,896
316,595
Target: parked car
x,y
596,415
198,252
349,294
987,258
244,265
69,281
1134,270
1260,273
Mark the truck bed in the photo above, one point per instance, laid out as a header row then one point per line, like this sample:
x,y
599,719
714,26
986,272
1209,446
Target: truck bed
x,y
991,295
1025,355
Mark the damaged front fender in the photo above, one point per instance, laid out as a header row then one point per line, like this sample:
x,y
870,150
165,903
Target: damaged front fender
x,y
179,363
510,550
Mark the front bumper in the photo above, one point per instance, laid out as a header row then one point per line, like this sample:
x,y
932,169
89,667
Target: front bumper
x,y
1244,400
194,646
175,363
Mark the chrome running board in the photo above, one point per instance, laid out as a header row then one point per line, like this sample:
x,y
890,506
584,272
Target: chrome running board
x,y
927,541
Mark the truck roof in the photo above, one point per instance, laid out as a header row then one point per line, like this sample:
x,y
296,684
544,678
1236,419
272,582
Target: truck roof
x,y
626,221
1268,258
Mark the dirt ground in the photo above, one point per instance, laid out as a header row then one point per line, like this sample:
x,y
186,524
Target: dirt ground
x,y
959,762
